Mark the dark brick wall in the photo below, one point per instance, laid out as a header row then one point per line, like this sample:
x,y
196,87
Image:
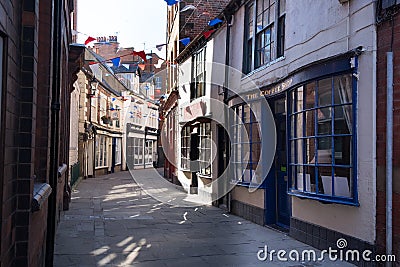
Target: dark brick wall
x,y
10,27
322,238
249,212
24,151
384,32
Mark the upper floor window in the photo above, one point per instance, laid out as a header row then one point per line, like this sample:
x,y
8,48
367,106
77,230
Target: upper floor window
x,y
322,140
264,33
198,86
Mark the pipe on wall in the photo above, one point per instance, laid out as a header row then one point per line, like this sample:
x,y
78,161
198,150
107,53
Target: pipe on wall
x,y
55,131
389,155
226,83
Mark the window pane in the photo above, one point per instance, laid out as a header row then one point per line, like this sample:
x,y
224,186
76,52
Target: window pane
x,y
260,6
310,150
309,179
343,182
293,125
293,174
343,150
324,121
325,92
343,119
271,17
299,124
300,102
310,122
299,149
310,95
342,89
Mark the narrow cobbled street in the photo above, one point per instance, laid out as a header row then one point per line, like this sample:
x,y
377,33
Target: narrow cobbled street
x,y
112,222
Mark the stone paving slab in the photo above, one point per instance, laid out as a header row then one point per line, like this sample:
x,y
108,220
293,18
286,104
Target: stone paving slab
x,y
112,222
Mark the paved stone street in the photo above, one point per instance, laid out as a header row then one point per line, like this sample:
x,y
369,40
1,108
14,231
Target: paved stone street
x,y
112,222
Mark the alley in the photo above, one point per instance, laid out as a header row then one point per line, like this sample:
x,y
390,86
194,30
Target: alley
x,y
112,222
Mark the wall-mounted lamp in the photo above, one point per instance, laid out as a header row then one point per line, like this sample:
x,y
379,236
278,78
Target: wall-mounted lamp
x,y
94,83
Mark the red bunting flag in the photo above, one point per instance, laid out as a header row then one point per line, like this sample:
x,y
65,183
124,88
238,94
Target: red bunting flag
x,y
89,40
207,34
141,54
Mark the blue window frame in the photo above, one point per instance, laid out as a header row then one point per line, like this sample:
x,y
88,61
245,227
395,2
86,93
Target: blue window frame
x,y
246,144
322,140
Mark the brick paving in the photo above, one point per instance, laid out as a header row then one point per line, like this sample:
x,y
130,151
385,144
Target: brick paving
x,y
112,222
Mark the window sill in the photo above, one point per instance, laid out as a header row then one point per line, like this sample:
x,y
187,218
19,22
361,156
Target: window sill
x,y
324,199
263,67
248,185
100,167
204,176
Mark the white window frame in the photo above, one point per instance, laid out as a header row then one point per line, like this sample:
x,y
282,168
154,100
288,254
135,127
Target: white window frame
x,y
101,151
118,155
149,149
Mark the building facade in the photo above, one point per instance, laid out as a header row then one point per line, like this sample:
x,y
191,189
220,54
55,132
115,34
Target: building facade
x,y
37,72
117,125
319,83
187,24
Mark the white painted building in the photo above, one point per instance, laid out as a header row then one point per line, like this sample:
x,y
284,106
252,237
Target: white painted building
x,y
314,62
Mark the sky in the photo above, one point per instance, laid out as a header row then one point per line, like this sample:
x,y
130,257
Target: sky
x,y
137,23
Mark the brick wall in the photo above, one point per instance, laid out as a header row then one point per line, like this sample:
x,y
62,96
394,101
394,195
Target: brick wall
x,y
194,22
10,25
24,151
384,40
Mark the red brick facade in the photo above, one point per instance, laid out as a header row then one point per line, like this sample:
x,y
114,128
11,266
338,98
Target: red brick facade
x,y
194,22
28,112
384,32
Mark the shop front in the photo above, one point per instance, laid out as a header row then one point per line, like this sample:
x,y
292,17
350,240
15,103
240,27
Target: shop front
x,y
315,163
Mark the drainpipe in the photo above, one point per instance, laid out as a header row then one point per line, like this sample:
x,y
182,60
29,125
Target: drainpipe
x,y
389,154
54,133
226,82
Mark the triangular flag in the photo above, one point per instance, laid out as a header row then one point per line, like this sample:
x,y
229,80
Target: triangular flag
x,y
214,22
185,41
141,54
148,57
171,2
116,61
160,46
188,7
142,66
113,99
207,34
89,40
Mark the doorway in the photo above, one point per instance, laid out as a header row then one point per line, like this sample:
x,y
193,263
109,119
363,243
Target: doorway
x,y
194,157
279,206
